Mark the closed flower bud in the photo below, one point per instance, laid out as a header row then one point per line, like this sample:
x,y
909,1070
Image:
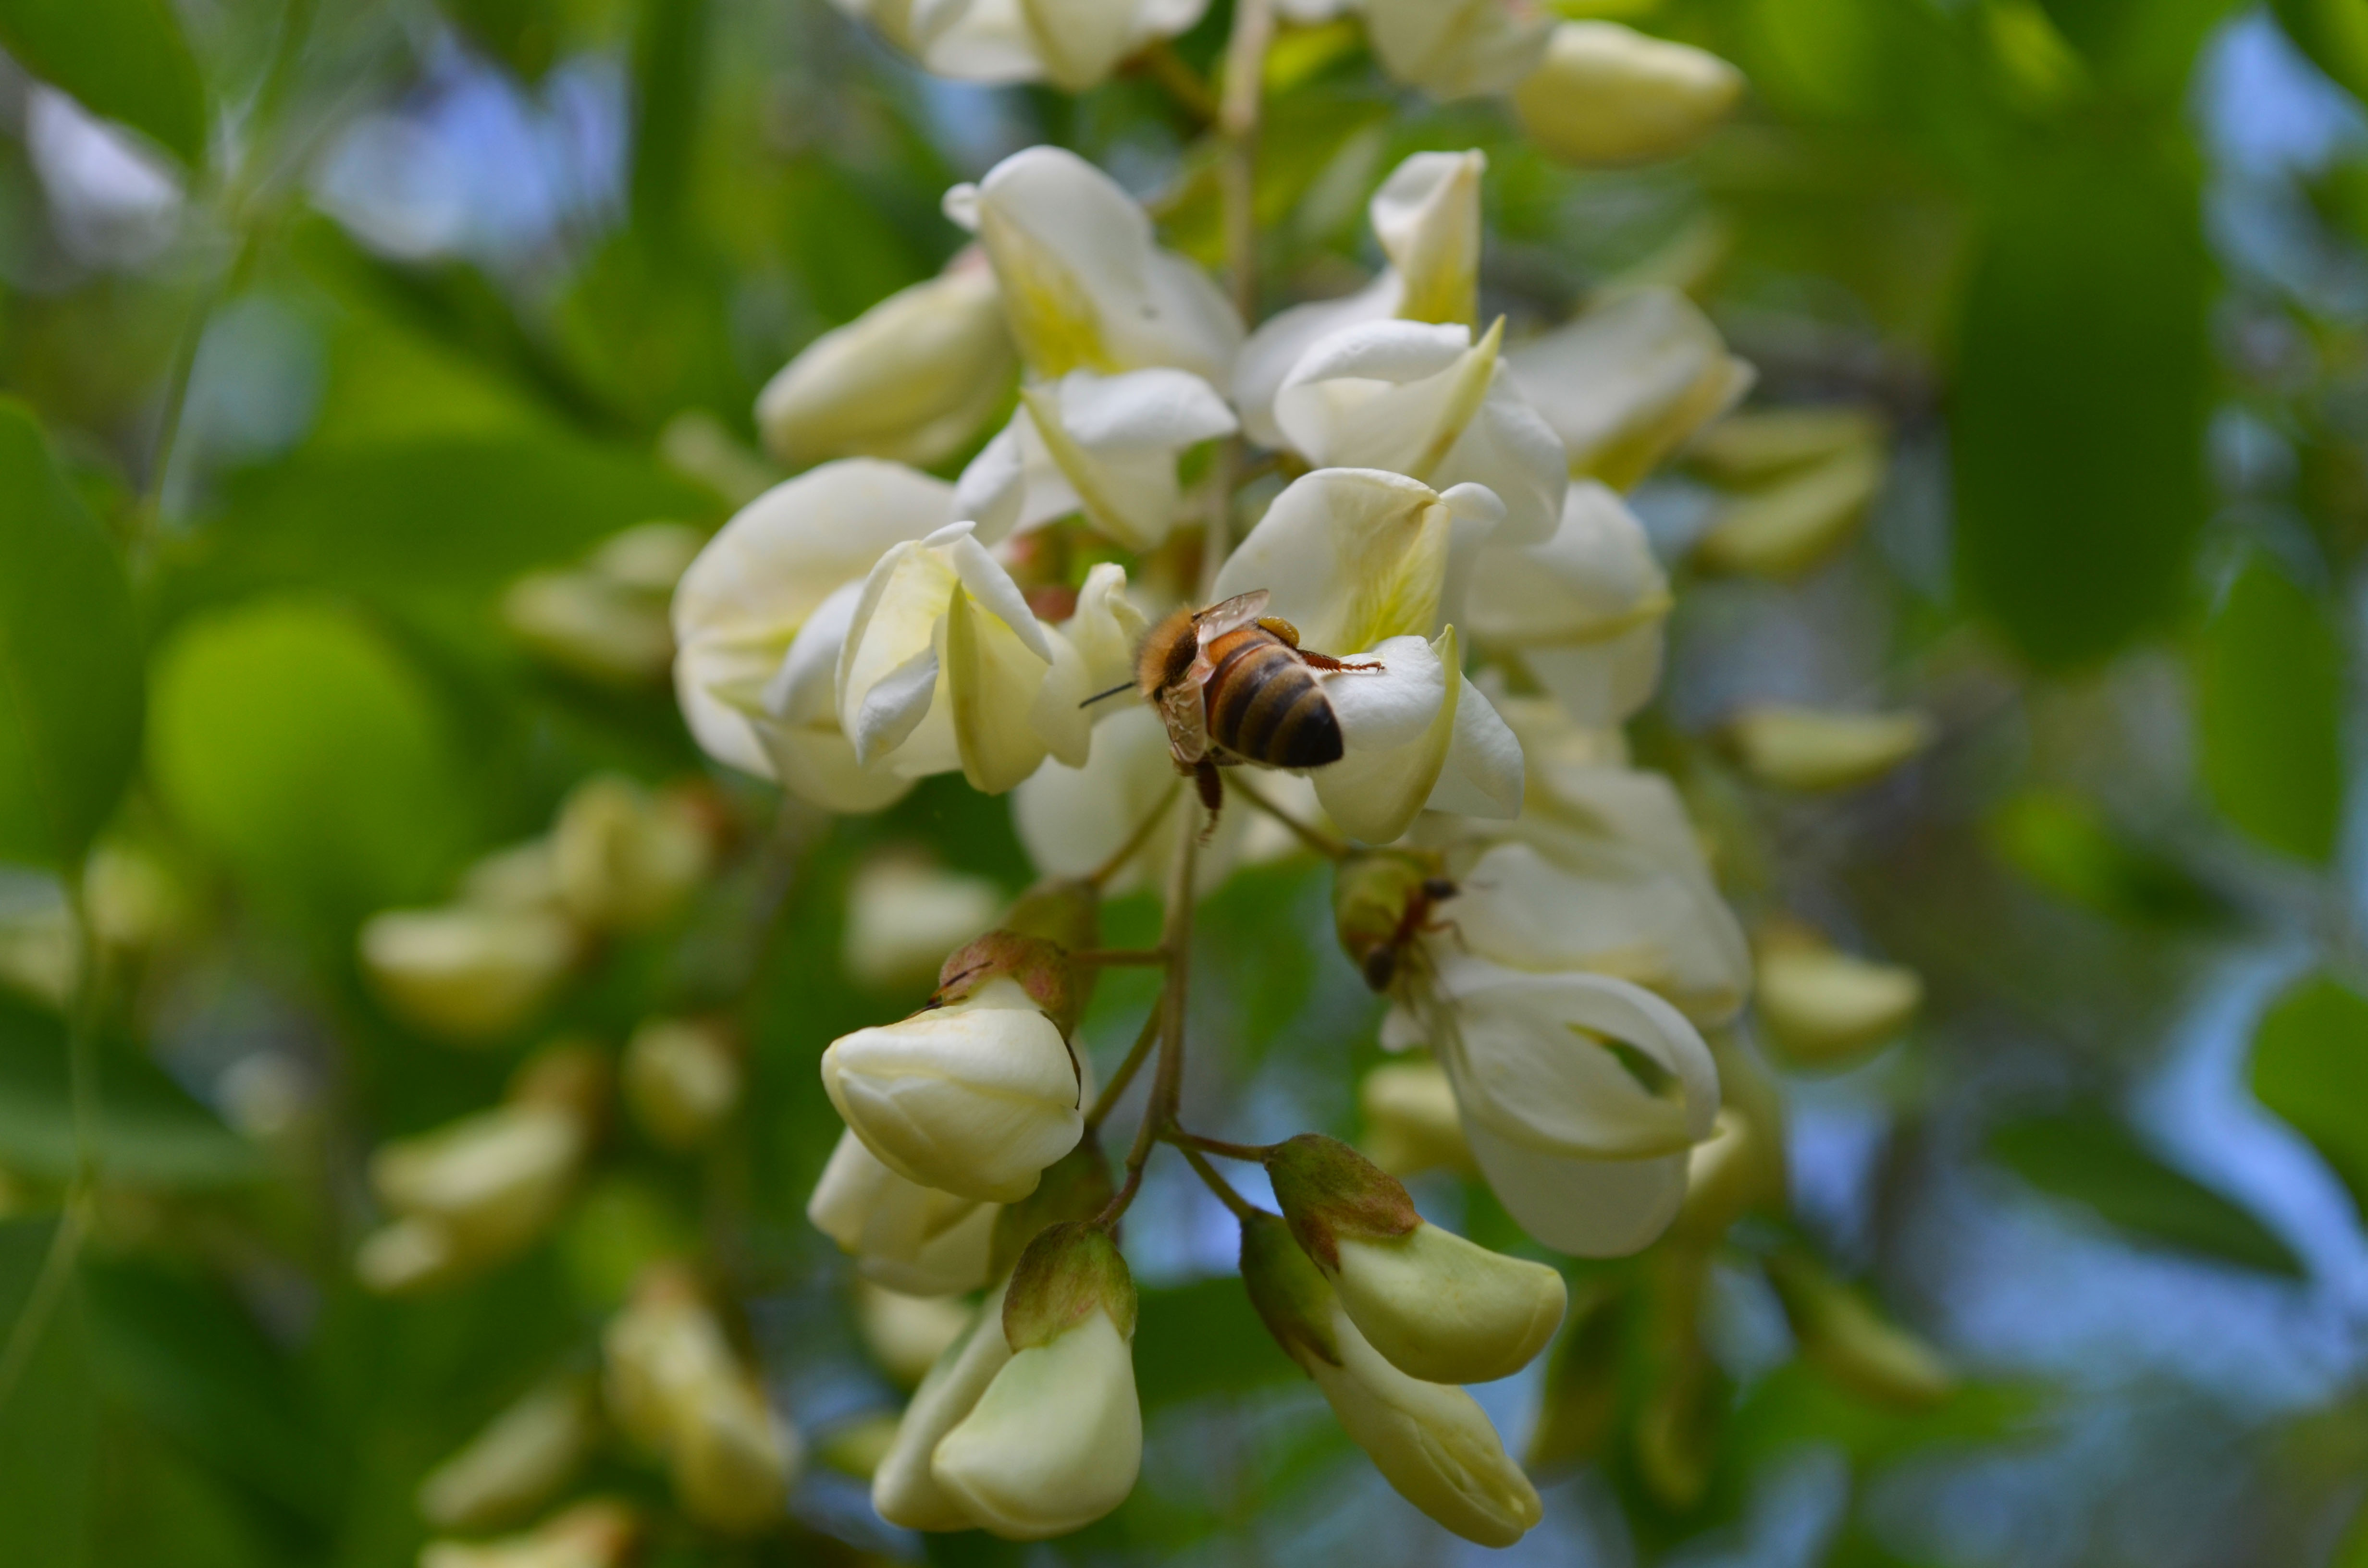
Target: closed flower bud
x,y
1793,522
583,623
732,1460
625,860
903,1235
466,974
682,1080
1431,1441
907,1333
1056,1439
598,1534
1457,50
1629,381
974,1098
523,1456
474,1192
1810,748
912,378
1755,445
903,915
1607,95
1076,1186
1843,1336
1440,1308
1411,1124
1824,1007
904,1490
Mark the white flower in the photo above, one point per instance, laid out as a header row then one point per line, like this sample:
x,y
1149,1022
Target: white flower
x,y
1084,287
1092,653
623,859
1427,217
904,1490
907,1333
470,1193
1429,402
1607,95
1431,1441
1073,820
1073,44
1580,613
903,915
974,1099
1793,747
744,676
466,973
1823,1007
942,665
1105,446
681,1080
1626,383
524,1454
1454,48
1410,1120
904,1236
910,379
1580,1096
1056,1441
1366,564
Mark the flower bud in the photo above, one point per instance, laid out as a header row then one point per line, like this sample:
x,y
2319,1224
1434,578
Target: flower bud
x,y
466,974
912,378
625,860
905,1236
588,626
1847,1339
1629,381
1824,1007
1792,523
907,1333
524,1454
1809,748
675,1387
1440,1308
40,951
1056,1439
1076,1186
904,1490
903,915
1431,1442
1755,445
1411,1122
681,1079
1607,95
976,1096
519,877
597,1534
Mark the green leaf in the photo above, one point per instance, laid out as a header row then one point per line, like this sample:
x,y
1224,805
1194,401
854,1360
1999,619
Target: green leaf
x,y
2269,705
2063,842
148,1131
2310,1066
49,1417
69,659
305,751
123,59
2090,1159
1210,1341
2334,34
521,34
2077,432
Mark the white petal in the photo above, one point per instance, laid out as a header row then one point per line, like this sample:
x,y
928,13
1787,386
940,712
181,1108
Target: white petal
x,y
994,486
1092,652
993,680
1158,409
1376,793
1601,683
1458,51
1427,216
1626,383
1384,709
1595,578
1284,338
1588,1208
1350,556
742,601
888,644
1482,776
1072,820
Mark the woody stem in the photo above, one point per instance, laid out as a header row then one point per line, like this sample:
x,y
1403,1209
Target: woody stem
x,y
1135,1055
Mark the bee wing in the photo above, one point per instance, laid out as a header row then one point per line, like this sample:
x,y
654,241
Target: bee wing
x,y
1229,615
1185,711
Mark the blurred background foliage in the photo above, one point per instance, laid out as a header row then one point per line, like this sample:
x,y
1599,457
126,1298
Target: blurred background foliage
x,y
323,326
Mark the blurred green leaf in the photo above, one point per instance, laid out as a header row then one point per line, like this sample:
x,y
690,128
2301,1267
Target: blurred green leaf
x,y
69,659
521,34
123,59
1210,1341
49,1416
2064,842
847,254
2144,47
2334,34
2310,1066
297,744
2269,706
148,1131
2078,433
1796,1406
2090,1158
670,83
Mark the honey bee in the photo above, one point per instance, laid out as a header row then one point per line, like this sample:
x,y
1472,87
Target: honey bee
x,y
1232,685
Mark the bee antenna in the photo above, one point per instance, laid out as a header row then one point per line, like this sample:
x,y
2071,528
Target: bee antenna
x,y
1104,695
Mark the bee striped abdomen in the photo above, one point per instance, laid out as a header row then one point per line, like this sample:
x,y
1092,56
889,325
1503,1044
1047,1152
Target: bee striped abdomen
x,y
1265,705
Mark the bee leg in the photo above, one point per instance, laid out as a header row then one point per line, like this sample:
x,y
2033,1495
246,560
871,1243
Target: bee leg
x,y
1327,662
1212,785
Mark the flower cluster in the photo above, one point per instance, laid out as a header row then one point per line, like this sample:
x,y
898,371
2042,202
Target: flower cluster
x,y
1413,660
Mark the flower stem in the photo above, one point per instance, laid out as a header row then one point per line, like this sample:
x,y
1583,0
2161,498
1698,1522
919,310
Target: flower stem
x,y
1114,958
1323,843
1180,81
1135,1056
1238,122
1137,839
1242,1207
1255,1154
